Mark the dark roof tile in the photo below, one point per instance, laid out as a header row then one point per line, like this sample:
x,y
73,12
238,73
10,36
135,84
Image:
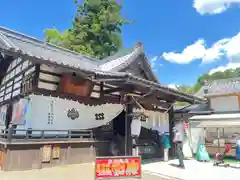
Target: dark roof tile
x,y
14,42
219,87
43,50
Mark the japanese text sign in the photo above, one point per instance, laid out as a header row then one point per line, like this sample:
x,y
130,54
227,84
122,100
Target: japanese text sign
x,y
118,167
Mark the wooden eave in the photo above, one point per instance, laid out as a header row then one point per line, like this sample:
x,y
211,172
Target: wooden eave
x,y
91,73
116,78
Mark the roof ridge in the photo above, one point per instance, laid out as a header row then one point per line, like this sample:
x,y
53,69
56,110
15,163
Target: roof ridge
x,y
13,33
226,79
130,50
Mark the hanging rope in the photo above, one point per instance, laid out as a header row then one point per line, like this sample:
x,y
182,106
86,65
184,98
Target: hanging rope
x,y
140,106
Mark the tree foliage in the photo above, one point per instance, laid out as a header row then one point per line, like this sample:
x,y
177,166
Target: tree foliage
x,y
96,29
53,36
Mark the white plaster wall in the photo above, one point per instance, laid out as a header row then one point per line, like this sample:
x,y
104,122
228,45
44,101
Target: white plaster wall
x,y
39,107
228,103
156,121
194,135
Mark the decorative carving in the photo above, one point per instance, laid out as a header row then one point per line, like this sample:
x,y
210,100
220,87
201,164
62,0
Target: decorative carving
x,y
73,114
99,116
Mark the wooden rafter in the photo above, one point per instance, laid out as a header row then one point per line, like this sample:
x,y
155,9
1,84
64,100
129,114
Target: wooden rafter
x,y
113,90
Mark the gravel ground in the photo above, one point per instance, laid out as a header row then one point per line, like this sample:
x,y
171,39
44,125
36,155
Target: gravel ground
x,y
73,172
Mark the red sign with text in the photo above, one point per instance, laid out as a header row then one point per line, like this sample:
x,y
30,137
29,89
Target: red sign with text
x,y
113,167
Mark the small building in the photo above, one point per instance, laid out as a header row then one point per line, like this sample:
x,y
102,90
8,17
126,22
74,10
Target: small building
x,y
221,113
61,107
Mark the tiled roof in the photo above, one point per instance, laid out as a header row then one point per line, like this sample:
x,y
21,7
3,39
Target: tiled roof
x,y
112,64
36,50
194,108
21,43
18,42
220,87
122,59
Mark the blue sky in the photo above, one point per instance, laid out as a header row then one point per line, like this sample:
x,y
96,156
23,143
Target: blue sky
x,y
182,38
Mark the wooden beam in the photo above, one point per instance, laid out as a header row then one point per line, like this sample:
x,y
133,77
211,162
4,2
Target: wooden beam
x,y
4,66
101,90
50,73
113,90
36,76
18,74
153,102
85,100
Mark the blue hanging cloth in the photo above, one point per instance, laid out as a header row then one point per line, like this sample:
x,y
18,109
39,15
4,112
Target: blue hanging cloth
x,y
165,141
238,149
202,154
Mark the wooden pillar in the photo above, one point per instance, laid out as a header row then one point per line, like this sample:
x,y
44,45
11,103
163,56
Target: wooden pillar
x,y
171,125
128,136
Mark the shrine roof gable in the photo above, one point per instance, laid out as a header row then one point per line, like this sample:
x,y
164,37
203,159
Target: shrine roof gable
x,y
123,61
131,60
37,51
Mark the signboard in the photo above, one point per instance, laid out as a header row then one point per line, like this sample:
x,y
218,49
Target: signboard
x,y
118,167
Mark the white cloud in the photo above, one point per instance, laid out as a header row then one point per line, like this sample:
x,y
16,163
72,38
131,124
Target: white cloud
x,y
154,62
228,47
224,68
213,6
194,51
173,86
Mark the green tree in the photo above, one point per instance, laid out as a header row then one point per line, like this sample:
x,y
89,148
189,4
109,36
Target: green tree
x,y
96,29
53,36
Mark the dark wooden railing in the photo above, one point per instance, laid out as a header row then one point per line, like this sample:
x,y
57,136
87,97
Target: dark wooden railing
x,y
36,134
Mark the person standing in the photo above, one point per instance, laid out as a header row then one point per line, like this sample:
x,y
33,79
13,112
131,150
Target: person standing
x,y
187,150
166,145
178,139
202,154
238,148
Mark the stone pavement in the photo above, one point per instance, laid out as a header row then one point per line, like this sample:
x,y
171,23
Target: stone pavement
x,y
73,172
152,171
194,170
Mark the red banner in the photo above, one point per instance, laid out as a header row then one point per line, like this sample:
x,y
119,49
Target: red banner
x,y
113,167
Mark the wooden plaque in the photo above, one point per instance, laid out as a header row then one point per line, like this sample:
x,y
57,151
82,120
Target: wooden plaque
x,y
1,159
46,153
56,152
